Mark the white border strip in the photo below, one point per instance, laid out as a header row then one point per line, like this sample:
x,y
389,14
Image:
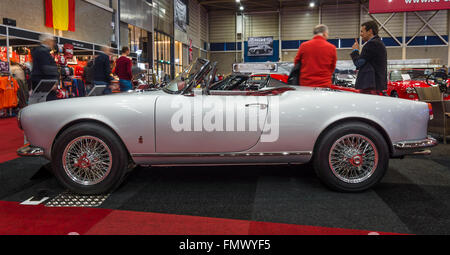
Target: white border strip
x,y
29,201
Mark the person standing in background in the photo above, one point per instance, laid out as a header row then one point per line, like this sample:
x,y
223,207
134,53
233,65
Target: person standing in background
x,y
372,62
317,59
102,70
88,74
135,70
44,68
44,65
123,69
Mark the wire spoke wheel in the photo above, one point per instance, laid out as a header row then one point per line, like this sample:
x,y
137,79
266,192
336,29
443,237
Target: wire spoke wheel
x,y
353,158
87,160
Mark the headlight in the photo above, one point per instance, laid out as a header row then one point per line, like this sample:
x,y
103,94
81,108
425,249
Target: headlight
x,y
411,90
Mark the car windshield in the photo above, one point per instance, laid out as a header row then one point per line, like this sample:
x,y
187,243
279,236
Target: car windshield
x,y
409,74
184,79
229,83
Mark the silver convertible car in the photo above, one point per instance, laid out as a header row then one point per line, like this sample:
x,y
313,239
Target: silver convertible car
x,y
93,142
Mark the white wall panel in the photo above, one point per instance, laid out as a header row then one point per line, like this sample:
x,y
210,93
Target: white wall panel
x,y
193,29
222,26
438,22
204,24
288,56
298,23
428,52
225,61
395,24
261,24
342,20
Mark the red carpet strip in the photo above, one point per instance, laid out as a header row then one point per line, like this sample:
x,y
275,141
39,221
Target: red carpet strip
x,y
11,138
16,219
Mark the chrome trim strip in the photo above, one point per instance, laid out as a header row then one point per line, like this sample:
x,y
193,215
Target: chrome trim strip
x,y
235,154
406,145
424,152
221,164
30,151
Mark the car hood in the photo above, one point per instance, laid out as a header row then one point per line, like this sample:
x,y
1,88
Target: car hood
x,y
405,84
98,101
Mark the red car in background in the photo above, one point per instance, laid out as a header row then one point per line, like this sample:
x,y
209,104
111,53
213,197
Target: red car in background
x,y
401,83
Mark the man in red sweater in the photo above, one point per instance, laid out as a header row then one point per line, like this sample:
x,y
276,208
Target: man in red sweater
x,y
317,58
123,70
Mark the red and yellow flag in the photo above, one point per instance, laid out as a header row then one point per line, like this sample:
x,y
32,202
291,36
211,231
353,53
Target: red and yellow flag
x,y
60,14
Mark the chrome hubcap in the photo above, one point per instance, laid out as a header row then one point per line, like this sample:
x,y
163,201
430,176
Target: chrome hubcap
x,y
353,158
87,160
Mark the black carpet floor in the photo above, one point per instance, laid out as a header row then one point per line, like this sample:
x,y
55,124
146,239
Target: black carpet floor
x,y
413,197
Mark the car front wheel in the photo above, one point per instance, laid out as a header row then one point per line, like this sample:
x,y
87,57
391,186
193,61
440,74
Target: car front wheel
x,y
351,157
89,159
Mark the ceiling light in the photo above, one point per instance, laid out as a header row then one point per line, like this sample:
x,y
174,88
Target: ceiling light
x,y
241,8
312,4
238,1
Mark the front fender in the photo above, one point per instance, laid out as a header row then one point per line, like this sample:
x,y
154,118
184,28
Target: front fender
x,y
131,118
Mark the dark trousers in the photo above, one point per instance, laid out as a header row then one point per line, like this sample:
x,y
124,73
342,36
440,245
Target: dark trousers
x,y
370,91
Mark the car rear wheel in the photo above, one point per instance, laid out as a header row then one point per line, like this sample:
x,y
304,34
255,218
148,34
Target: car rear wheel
x,y
351,157
89,159
394,94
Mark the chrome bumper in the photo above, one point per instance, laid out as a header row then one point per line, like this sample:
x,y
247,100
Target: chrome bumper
x,y
415,147
30,151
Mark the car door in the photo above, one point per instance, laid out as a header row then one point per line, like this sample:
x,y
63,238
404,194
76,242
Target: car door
x,y
198,123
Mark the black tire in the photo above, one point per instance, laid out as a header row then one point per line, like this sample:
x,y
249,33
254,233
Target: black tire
x,y
116,154
394,94
334,180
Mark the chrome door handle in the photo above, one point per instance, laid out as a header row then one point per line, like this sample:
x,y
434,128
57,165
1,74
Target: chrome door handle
x,y
262,106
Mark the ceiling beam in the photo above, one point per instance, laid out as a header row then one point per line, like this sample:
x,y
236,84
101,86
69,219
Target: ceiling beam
x,y
265,4
208,2
272,3
222,7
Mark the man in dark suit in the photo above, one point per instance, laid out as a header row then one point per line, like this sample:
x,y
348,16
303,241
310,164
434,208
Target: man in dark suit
x,y
372,62
44,65
102,70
